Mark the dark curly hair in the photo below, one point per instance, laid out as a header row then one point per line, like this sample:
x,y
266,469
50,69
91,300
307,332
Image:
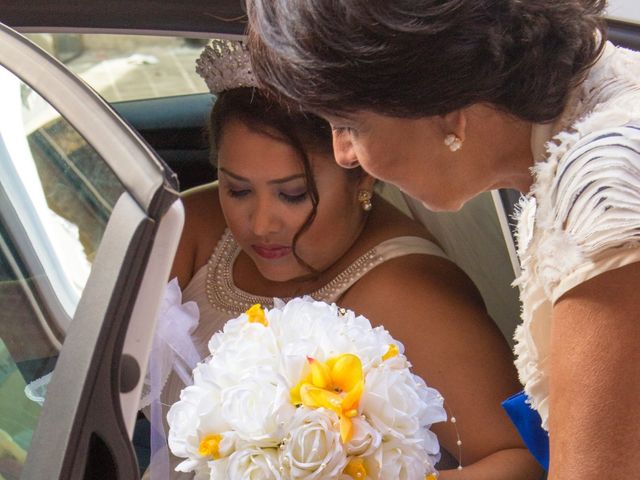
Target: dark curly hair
x,y
416,58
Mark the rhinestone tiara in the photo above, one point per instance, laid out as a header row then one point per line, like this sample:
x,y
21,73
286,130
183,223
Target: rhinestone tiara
x,y
225,64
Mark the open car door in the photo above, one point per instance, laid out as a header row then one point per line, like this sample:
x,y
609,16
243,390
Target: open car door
x,y
89,223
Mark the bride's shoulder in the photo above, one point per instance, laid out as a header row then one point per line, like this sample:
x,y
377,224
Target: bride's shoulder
x,y
203,214
416,280
430,305
203,226
201,201
420,280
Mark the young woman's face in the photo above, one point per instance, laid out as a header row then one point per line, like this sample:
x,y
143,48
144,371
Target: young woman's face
x,y
411,154
264,199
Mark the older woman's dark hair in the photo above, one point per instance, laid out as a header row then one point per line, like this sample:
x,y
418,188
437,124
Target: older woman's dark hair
x,y
414,58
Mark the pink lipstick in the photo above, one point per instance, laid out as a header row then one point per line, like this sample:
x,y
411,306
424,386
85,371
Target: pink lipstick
x,y
271,252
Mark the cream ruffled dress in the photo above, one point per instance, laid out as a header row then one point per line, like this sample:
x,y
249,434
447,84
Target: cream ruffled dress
x,y
582,215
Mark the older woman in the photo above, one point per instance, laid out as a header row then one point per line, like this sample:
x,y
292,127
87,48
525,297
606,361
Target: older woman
x,y
450,98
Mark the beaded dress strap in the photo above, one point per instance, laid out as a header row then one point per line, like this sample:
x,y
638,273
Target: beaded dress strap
x,y
223,294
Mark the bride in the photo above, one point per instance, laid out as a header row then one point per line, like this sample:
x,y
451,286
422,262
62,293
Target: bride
x,y
284,221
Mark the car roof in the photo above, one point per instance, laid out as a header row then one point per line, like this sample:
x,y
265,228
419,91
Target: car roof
x,y
197,18
192,17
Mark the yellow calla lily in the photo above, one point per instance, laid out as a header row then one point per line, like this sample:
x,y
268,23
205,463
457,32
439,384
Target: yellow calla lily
x,y
352,398
356,469
294,393
256,315
346,428
320,373
315,397
346,371
336,385
391,352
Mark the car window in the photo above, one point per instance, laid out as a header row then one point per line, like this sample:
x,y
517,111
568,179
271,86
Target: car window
x,y
56,197
129,67
626,10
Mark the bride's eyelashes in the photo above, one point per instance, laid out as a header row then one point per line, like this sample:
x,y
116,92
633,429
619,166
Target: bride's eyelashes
x,y
288,197
238,193
294,198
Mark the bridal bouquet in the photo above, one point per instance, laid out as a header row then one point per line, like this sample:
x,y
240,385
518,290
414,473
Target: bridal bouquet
x,y
305,390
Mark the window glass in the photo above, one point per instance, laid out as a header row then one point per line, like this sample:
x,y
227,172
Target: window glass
x,y
129,67
626,10
56,197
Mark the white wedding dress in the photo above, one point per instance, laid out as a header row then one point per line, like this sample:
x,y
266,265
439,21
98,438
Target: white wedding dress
x,y
218,300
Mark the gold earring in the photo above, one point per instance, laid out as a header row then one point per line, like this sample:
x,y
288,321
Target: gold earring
x,y
364,197
453,142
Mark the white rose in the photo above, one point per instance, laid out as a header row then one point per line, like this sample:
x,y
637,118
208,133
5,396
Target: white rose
x,y
258,407
365,439
203,472
231,329
306,328
183,422
400,460
432,412
249,464
372,344
306,324
398,362
294,365
235,356
313,449
394,403
194,416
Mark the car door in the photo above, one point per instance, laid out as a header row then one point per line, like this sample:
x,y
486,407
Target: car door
x,y
89,223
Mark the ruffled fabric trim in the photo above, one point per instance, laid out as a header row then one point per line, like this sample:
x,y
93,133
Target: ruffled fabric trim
x,y
172,350
582,210
173,347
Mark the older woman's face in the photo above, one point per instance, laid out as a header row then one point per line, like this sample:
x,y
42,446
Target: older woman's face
x,y
411,154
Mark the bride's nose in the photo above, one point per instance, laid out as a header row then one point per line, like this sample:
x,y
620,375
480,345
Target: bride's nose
x,y
264,218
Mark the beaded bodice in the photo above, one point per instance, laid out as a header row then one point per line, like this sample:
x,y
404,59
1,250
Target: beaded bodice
x,y
222,293
219,299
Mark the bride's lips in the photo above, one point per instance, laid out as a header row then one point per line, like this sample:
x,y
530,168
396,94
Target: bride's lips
x,y
271,252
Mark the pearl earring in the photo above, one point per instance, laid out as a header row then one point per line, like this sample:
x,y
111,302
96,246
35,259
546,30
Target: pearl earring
x,y
453,142
364,197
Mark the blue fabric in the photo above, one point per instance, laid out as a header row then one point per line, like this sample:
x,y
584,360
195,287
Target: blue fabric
x,y
529,425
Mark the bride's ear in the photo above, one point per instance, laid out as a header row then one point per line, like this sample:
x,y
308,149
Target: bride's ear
x,y
455,122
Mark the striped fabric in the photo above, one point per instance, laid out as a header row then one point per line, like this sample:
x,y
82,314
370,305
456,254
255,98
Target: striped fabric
x,y
582,215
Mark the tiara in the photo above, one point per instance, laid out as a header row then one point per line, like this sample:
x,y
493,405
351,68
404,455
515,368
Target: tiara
x,y
225,64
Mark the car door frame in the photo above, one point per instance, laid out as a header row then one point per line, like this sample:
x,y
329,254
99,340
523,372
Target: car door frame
x,y
88,416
